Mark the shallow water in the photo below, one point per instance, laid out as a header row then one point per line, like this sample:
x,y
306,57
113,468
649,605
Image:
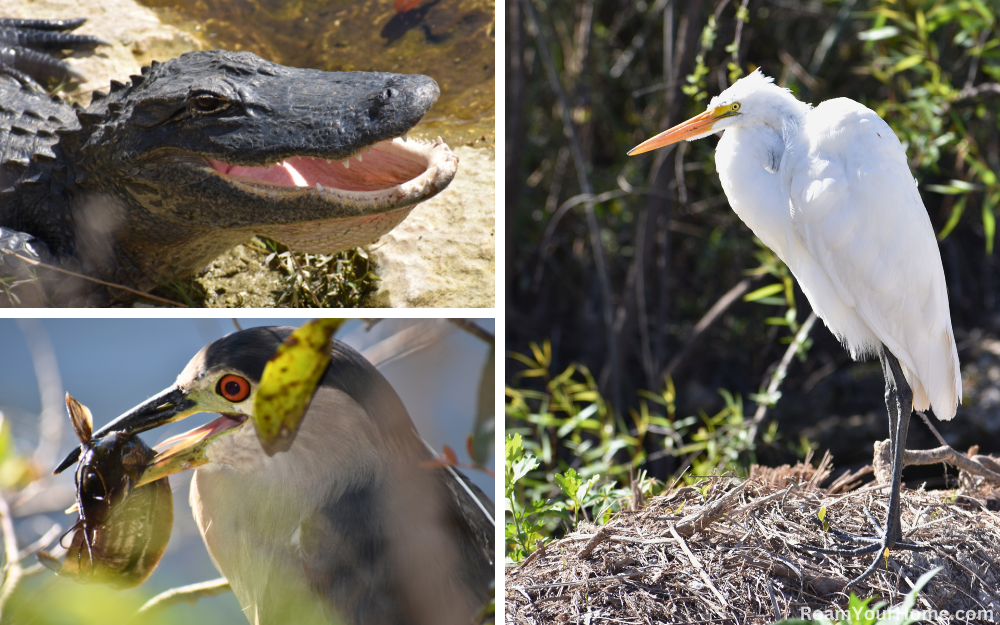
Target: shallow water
x,y
451,41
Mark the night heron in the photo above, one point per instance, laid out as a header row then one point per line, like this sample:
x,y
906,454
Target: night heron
x,y
352,524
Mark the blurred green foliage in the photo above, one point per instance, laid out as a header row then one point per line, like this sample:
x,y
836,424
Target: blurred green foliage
x,y
50,600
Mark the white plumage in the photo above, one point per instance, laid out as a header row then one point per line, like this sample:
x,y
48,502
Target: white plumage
x,y
829,190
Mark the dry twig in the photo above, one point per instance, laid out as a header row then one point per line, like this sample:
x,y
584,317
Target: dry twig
x,y
748,556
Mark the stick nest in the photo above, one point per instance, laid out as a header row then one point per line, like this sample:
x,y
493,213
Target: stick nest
x,y
738,553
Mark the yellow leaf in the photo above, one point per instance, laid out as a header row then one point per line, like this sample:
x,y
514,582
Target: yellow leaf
x,y
288,382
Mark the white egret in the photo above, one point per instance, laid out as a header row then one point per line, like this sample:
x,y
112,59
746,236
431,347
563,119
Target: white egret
x,y
828,189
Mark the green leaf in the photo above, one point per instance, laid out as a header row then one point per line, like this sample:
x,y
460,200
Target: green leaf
x,y
908,62
989,220
569,482
954,187
764,291
517,462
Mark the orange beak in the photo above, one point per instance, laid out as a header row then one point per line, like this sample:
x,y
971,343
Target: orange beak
x,y
693,127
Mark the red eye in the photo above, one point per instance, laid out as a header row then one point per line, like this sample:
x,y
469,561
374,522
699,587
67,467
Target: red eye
x,y
233,387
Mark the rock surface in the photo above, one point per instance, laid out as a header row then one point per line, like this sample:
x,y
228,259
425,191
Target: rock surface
x,y
442,255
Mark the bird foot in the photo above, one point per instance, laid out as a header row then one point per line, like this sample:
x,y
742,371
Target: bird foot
x,y
870,544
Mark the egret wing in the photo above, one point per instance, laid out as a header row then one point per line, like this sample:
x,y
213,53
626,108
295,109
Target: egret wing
x,y
857,219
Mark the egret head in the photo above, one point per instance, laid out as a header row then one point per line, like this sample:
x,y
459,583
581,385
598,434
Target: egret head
x,y
751,99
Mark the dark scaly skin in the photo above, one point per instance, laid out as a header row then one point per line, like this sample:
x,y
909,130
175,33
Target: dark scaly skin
x,y
122,190
25,46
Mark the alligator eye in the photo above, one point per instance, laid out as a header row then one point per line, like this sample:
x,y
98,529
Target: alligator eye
x,y
233,387
206,103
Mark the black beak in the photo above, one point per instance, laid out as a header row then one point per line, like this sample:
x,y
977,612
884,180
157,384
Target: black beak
x,y
169,405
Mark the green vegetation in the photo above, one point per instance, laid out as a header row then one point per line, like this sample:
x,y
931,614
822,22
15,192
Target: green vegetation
x,y
860,612
569,458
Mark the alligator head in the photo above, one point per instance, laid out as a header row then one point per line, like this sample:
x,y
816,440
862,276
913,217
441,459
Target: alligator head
x,y
204,151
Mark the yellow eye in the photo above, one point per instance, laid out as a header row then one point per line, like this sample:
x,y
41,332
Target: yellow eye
x,y
735,106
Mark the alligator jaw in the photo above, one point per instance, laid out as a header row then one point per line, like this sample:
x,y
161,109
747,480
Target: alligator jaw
x,y
390,171
366,189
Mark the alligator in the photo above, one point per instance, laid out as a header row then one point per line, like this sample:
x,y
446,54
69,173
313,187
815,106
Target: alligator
x,y
160,175
27,46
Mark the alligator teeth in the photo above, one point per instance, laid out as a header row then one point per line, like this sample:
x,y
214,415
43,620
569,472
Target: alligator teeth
x,y
346,164
329,160
319,187
359,158
296,176
405,137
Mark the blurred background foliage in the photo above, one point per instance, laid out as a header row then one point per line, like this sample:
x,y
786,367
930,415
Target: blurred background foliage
x,y
644,321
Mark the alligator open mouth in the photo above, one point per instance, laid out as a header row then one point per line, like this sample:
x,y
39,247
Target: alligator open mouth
x,y
366,189
388,166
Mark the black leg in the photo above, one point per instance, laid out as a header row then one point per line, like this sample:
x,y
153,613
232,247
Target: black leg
x,y
899,404
904,406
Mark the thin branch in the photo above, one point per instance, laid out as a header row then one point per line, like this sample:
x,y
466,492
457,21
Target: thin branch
x,y
36,263
933,429
473,329
190,594
696,563
50,389
831,35
45,540
739,31
581,170
779,374
799,71
12,566
707,320
974,62
986,88
560,212
639,41
945,453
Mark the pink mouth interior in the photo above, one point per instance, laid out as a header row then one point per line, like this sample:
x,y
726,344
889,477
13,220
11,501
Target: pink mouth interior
x,y
378,170
212,427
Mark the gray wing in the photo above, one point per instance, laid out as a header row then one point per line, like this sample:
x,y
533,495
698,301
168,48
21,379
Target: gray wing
x,y
417,551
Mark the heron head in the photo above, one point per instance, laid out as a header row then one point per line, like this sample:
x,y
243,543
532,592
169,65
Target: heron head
x,y
357,412
221,378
